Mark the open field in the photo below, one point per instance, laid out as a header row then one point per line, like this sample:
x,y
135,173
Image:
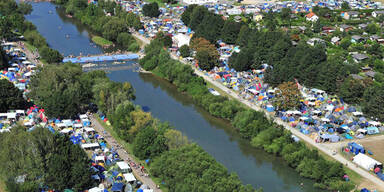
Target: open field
x,y
376,147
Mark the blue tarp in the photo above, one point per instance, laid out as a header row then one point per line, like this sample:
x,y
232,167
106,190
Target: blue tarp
x,y
117,187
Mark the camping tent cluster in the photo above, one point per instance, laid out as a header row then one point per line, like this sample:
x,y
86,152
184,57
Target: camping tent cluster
x,y
19,73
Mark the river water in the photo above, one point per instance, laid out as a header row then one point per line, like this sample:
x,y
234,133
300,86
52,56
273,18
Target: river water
x,y
162,99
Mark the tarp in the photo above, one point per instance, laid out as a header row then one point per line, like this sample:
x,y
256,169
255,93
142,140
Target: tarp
x,y
117,187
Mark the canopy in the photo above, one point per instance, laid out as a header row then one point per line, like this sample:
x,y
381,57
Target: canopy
x,y
365,162
129,177
123,165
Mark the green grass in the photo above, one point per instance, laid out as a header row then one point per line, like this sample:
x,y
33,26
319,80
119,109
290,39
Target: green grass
x,y
29,46
129,148
101,41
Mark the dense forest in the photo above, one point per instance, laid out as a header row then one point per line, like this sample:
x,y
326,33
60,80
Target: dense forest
x,y
114,27
251,125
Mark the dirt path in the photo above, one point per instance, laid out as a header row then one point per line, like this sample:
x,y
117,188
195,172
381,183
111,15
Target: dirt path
x,y
32,57
124,155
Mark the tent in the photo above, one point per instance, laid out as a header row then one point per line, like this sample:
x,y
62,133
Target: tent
x,y
123,166
372,130
129,177
117,187
356,148
366,162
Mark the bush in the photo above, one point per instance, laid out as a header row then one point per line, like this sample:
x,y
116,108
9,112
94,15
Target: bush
x,y
50,55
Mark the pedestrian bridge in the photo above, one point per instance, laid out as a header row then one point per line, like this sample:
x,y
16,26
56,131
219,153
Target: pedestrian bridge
x,y
101,58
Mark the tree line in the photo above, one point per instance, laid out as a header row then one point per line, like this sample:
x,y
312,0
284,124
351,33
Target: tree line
x,y
250,124
114,27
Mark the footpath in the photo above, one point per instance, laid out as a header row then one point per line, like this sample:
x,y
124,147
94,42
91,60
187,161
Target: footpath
x,y
124,155
322,147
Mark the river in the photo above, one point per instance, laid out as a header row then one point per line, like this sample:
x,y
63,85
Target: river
x,y
216,136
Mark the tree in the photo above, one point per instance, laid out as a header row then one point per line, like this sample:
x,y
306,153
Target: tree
x,y
148,143
184,51
5,28
166,39
230,31
186,16
3,59
133,20
345,43
127,41
25,8
113,28
242,38
10,97
151,10
287,96
175,139
197,16
345,5
205,61
60,91
44,158
373,101
372,28
122,121
352,90
50,55
206,55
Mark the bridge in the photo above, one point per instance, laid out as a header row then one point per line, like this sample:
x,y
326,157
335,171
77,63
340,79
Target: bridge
x,y
101,58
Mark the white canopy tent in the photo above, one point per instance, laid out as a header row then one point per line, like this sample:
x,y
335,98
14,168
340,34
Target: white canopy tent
x,y
129,177
123,166
90,145
365,162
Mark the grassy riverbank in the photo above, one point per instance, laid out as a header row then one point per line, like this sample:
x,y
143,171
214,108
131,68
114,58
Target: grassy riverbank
x,y
101,41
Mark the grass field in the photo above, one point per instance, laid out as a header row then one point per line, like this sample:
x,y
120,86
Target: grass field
x,y
101,41
376,147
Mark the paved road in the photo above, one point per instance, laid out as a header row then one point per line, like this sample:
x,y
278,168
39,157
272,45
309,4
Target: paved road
x,y
124,155
320,146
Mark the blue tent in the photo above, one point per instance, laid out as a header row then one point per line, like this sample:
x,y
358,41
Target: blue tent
x,y
117,187
372,130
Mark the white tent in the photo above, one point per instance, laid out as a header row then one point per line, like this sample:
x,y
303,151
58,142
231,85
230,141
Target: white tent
x,y
357,113
83,116
365,162
129,177
123,166
374,123
90,145
181,39
95,189
99,158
